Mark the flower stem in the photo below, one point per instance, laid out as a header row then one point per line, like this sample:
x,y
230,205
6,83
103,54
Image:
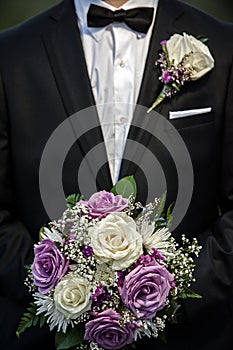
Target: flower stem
x,y
158,100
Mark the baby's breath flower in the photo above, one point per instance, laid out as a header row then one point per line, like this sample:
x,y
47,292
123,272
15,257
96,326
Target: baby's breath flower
x,y
161,323
182,264
94,346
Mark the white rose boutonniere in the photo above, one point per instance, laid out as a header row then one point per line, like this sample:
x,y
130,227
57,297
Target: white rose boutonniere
x,y
183,58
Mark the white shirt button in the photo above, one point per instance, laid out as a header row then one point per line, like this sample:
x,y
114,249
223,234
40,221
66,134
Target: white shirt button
x,y
122,64
122,119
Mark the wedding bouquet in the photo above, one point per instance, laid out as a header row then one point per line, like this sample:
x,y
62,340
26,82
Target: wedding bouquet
x,y
108,272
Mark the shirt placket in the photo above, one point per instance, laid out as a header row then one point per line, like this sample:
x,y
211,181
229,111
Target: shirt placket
x,y
123,81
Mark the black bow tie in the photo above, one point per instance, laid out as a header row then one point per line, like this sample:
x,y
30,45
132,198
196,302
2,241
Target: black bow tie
x,y
138,19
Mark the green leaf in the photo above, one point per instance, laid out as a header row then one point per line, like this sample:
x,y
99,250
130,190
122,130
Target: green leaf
x,y
165,50
42,320
175,86
31,309
159,222
72,199
71,338
202,38
188,293
41,232
162,336
169,216
169,310
28,319
160,208
28,267
35,321
126,187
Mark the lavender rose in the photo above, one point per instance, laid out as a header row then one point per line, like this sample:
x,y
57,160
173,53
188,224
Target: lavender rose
x,y
102,203
49,266
106,331
146,288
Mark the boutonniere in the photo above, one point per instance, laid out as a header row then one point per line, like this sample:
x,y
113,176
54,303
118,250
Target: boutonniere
x,y
183,58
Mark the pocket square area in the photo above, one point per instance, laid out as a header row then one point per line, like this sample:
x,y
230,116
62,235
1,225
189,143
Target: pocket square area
x,y
189,112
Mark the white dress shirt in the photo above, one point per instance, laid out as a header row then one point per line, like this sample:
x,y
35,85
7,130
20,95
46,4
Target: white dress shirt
x,y
115,57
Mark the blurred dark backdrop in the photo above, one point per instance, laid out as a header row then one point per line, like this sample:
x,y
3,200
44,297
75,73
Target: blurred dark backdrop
x,y
15,11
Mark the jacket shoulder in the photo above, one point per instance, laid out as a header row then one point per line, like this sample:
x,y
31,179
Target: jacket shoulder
x,y
28,31
198,18
196,22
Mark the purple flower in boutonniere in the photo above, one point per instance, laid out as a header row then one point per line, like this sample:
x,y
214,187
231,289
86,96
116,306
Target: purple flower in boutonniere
x,y
183,58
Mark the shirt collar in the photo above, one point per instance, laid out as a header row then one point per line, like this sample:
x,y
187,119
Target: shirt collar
x,y
82,6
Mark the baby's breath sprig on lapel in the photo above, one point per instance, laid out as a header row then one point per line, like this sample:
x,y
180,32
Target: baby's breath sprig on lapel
x,y
183,58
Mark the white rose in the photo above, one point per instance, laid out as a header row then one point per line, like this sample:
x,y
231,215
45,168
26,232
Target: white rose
x,y
115,240
198,54
72,296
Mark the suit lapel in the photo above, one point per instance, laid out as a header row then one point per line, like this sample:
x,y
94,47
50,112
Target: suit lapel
x,y
164,26
64,48
65,52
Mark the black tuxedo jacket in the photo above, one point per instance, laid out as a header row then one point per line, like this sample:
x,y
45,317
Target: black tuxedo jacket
x,y
43,81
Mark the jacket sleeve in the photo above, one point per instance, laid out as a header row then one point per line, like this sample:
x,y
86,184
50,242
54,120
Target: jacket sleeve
x,y
211,317
16,246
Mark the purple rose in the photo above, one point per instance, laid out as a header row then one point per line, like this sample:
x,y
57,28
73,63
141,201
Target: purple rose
x,y
49,266
146,288
106,331
102,203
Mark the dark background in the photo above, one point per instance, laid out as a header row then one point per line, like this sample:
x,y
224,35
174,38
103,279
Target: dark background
x,y
15,11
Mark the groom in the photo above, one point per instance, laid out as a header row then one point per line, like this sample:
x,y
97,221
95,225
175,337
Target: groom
x,y
59,63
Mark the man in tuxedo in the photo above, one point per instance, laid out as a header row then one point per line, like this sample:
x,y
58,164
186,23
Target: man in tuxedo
x,y
55,65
